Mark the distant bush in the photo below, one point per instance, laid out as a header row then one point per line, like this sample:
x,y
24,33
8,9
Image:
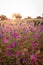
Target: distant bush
x,y
3,17
39,17
29,17
16,16
36,22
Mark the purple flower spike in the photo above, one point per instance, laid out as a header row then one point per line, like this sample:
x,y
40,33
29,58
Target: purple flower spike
x,y
16,54
5,41
24,60
19,37
7,52
9,46
25,37
13,44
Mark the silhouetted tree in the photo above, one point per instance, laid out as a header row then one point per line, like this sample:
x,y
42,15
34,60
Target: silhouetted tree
x,y
38,17
16,16
3,17
29,17
36,22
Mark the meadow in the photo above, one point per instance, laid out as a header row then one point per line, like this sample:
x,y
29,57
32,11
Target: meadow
x,y
21,42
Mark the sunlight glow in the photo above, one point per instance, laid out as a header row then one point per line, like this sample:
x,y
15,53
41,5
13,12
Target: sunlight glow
x,y
26,8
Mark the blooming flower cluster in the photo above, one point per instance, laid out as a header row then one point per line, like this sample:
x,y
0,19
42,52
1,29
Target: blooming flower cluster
x,y
20,43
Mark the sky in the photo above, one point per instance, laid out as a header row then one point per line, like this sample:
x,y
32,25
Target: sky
x,y
26,8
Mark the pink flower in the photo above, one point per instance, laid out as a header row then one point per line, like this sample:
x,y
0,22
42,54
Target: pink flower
x,y
22,53
9,46
5,40
24,60
21,44
25,37
16,54
34,45
8,53
6,30
42,59
33,58
13,44
18,36
15,34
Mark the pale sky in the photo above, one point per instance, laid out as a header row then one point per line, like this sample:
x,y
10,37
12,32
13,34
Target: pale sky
x,y
26,8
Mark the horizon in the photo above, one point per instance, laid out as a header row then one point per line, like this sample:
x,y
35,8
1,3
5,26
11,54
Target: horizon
x,y
24,7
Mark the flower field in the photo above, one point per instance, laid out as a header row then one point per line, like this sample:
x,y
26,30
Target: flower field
x,y
21,42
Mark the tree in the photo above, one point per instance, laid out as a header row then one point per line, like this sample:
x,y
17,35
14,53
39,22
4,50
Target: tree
x,y
16,16
29,17
3,17
36,22
38,17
